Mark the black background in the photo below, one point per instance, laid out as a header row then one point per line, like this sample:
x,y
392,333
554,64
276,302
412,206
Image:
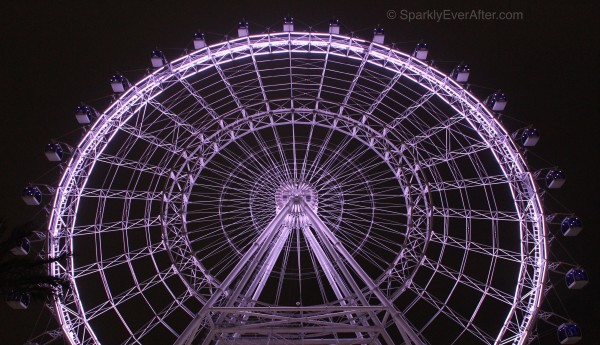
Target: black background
x,y
56,54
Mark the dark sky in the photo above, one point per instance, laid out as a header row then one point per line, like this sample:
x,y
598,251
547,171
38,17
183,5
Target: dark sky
x,y
57,53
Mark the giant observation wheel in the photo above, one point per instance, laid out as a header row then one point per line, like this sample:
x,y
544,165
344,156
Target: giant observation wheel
x,y
298,188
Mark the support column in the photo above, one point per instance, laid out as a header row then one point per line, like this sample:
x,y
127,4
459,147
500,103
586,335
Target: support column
x,y
408,334
257,249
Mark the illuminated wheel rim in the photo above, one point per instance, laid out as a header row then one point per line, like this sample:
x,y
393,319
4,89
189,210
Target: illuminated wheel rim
x,y
411,172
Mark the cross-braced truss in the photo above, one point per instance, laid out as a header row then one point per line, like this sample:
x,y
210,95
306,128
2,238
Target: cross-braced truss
x,y
298,188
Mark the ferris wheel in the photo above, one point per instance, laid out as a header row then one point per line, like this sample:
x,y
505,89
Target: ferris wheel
x,y
299,188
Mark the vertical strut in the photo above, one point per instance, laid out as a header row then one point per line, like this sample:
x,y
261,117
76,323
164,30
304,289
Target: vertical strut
x,y
337,284
258,248
331,255
329,239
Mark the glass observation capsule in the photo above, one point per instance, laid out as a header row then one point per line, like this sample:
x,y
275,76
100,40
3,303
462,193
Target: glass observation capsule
x,y
288,24
22,247
32,195
158,59
421,51
530,137
53,152
378,35
461,73
496,102
569,333
243,29
334,26
555,179
18,300
571,226
119,83
85,114
576,278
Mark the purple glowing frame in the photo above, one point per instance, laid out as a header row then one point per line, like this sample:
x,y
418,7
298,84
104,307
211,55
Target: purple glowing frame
x,y
415,189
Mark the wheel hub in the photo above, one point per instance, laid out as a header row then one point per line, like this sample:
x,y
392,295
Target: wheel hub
x,y
296,193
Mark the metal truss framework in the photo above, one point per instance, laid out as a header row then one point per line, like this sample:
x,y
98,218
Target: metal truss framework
x,y
409,168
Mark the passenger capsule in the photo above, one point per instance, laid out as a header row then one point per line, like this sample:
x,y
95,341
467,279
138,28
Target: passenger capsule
x,y
421,51
571,226
288,24
32,195
378,35
576,278
530,137
53,152
461,73
496,102
157,58
569,333
21,247
243,29
18,300
555,179
334,26
119,83
85,114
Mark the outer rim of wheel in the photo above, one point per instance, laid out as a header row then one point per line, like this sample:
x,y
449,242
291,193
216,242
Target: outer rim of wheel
x,y
528,293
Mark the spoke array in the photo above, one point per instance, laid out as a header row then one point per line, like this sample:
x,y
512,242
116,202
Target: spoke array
x,y
298,188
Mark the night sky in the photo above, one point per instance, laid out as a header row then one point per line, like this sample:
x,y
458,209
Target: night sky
x,y
56,54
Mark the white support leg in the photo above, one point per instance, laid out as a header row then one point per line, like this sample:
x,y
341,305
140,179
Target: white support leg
x,y
329,239
259,247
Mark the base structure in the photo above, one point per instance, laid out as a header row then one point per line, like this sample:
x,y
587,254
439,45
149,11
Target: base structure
x,y
363,314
